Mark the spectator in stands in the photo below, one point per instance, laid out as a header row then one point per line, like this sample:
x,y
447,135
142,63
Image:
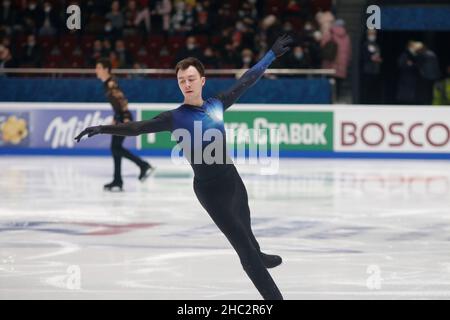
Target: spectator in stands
x,y
247,59
183,19
417,68
115,16
114,59
243,35
137,66
272,27
6,60
143,16
288,28
97,52
109,32
225,18
8,16
130,15
31,53
298,58
371,69
230,57
429,70
190,50
202,25
49,21
298,9
123,56
292,8
210,58
311,38
336,53
30,16
248,14
325,20
162,12
441,92
107,47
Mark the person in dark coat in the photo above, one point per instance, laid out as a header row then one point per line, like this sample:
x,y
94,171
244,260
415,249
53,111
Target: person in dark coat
x,y
371,69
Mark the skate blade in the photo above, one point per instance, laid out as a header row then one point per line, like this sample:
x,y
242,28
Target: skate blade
x,y
113,189
147,174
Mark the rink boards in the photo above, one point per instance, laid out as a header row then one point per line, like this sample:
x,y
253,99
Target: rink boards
x,y
324,131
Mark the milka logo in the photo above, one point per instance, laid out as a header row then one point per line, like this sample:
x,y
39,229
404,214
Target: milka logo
x,y
61,133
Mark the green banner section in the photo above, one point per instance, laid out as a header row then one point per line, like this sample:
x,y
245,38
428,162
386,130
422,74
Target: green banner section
x,y
295,130
160,140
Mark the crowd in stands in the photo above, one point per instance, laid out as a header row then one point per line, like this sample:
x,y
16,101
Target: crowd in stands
x,y
156,34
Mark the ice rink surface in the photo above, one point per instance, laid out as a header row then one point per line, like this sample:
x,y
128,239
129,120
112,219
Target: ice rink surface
x,y
346,229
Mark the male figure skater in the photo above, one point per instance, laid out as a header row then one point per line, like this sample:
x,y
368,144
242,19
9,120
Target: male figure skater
x,y
121,115
218,186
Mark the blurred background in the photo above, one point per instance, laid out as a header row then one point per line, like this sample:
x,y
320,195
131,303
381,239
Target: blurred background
x,y
371,67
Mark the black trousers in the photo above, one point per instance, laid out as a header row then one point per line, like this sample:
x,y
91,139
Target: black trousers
x,y
119,152
226,201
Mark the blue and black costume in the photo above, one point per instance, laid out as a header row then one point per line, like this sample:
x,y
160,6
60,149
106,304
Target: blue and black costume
x,y
218,186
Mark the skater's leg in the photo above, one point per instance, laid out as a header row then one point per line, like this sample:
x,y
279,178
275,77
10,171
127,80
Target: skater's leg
x,y
243,213
130,156
144,166
116,145
215,201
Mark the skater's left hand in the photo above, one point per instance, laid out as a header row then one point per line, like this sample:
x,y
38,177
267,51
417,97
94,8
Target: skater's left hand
x,y
90,131
281,45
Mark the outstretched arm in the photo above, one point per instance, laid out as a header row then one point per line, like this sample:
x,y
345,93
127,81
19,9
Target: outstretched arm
x,y
252,75
162,122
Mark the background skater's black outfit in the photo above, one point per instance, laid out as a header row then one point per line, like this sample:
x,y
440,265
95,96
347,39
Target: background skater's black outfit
x,y
121,115
218,186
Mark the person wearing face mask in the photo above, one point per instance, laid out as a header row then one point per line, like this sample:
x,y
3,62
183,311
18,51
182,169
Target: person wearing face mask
x,y
108,31
246,59
190,50
298,59
31,53
371,69
311,44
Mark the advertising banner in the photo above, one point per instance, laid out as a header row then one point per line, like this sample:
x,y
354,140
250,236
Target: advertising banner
x,y
297,130
14,129
55,129
399,130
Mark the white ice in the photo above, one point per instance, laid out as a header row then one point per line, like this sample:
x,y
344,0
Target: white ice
x,y
346,229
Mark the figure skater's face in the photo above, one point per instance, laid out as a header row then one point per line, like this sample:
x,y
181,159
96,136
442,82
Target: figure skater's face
x,y
190,83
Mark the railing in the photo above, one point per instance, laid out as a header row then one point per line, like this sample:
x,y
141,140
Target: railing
x,y
54,71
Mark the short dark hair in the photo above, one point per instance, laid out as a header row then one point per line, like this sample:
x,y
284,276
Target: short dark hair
x,y
106,63
191,61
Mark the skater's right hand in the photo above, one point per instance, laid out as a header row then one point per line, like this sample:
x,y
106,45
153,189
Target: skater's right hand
x,y
90,131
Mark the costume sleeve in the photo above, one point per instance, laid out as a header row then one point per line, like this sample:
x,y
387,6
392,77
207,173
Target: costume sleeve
x,y
246,81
